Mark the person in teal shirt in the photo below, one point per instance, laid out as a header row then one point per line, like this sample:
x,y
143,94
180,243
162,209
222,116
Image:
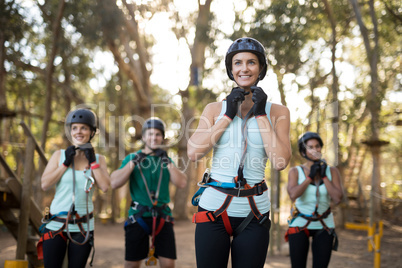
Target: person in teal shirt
x,y
312,187
149,172
70,224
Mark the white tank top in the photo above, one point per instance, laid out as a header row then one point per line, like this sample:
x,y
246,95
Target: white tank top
x,y
63,197
307,201
227,153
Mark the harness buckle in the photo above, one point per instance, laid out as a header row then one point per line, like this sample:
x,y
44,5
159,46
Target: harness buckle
x,y
154,213
259,189
211,216
263,219
134,205
132,219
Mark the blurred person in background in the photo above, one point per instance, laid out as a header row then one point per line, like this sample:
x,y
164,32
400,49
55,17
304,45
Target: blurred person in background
x,y
149,172
312,186
69,225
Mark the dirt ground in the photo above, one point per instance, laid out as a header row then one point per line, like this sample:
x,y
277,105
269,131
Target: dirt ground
x,y
352,252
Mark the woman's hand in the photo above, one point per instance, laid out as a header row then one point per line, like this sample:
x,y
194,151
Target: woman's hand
x,y
233,101
69,155
260,101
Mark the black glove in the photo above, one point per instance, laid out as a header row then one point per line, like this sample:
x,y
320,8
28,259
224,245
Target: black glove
x,y
89,152
69,153
138,158
260,100
323,169
163,155
232,101
315,168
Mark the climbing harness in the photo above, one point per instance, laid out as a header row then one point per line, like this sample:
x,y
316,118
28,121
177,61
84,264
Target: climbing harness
x,y
156,213
239,188
69,219
72,210
315,216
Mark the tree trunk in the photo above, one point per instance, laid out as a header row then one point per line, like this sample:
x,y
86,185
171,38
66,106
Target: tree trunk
x,y
49,72
197,65
123,53
181,196
373,104
3,102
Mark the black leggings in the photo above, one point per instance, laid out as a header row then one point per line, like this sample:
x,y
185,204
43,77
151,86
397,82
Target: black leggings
x,y
321,247
213,244
54,251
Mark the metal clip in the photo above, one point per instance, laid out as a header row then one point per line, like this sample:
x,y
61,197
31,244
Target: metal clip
x,y
46,215
135,205
91,180
205,178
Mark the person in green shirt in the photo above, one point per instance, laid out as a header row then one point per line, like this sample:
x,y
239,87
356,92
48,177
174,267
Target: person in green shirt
x,y
149,172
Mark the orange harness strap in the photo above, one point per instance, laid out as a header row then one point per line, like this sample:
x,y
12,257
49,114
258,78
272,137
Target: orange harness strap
x,y
44,237
295,230
209,216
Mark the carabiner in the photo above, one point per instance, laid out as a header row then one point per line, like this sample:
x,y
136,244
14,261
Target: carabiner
x,y
89,179
202,184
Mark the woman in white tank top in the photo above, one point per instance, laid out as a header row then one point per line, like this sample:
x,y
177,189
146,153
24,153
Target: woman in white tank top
x,y
244,131
74,172
312,187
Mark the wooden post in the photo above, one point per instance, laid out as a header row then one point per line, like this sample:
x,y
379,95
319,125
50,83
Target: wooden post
x,y
39,149
25,200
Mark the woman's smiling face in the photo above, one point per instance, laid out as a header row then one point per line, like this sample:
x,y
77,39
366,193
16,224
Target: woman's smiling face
x,y
245,69
80,133
313,149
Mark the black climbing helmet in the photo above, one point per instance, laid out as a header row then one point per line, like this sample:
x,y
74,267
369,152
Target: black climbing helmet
x,y
246,44
154,122
303,140
83,116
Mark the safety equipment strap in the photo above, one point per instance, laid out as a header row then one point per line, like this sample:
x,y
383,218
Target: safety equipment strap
x,y
52,234
313,217
72,210
240,180
209,216
151,260
239,188
153,199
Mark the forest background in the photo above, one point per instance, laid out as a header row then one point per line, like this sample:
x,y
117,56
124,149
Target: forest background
x,y
335,64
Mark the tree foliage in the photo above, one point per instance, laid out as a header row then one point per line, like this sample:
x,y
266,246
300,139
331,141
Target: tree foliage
x,y
308,56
